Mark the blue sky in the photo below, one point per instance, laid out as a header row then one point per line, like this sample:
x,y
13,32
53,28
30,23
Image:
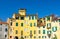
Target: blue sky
x,y
42,7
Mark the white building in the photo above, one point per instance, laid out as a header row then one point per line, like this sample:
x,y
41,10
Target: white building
x,y
3,30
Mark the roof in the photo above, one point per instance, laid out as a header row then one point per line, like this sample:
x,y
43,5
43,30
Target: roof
x,y
3,23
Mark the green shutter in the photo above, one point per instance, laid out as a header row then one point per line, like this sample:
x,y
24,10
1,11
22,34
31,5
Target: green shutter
x,y
48,18
32,17
21,24
16,24
31,24
54,29
42,36
43,31
48,32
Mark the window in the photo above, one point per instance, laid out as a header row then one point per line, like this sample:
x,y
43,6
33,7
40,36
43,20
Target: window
x,y
39,31
48,32
17,17
25,36
16,24
45,36
42,36
5,36
31,24
34,31
31,32
54,29
39,36
32,17
21,32
16,32
6,29
34,24
11,23
30,36
49,25
10,36
43,31
34,37
22,18
48,18
21,24
43,26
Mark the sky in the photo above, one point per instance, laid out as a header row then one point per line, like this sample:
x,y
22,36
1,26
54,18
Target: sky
x,y
42,7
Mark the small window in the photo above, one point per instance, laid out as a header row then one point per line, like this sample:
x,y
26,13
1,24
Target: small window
x,y
30,36
48,18
16,32
34,36
39,31
48,32
42,36
21,32
43,26
22,18
34,31
45,36
48,25
5,36
6,29
39,36
31,32
43,31
21,24
34,24
31,24
16,24
10,36
25,36
11,23
17,17
32,17
54,29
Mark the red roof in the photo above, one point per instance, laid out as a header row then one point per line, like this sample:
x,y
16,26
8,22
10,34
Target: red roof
x,y
3,23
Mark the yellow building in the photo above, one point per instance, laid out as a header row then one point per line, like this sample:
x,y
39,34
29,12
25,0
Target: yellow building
x,y
22,26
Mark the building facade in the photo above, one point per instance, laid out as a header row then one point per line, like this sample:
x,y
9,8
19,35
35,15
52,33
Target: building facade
x,y
3,30
22,26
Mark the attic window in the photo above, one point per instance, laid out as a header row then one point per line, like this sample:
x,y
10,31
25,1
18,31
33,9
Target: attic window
x,y
17,17
22,18
48,18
